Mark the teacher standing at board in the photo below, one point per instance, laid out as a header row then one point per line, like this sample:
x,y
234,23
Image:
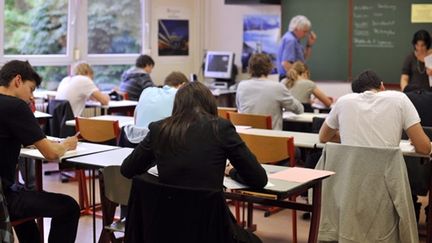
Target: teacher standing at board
x,y
290,49
414,71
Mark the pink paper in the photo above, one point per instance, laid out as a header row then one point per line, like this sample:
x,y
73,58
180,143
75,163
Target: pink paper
x,y
298,174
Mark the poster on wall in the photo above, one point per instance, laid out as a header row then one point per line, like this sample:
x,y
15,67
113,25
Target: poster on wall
x,y
173,37
260,35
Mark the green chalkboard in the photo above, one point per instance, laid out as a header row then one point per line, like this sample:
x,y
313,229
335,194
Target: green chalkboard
x,y
354,35
382,34
329,59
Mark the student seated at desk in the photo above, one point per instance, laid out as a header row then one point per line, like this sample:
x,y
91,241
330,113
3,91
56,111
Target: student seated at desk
x,y
157,103
137,78
372,116
79,87
301,87
191,147
19,127
260,95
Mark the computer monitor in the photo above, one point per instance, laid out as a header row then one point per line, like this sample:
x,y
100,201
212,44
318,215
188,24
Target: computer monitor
x,y
219,65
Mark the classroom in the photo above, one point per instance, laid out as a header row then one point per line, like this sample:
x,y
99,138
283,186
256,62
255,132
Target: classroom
x,y
215,120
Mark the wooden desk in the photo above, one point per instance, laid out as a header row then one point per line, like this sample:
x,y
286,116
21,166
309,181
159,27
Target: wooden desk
x,y
282,190
42,117
122,106
301,118
99,160
44,94
224,97
82,149
123,120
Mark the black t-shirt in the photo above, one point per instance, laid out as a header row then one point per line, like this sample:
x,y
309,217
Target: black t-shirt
x,y
416,71
18,126
422,100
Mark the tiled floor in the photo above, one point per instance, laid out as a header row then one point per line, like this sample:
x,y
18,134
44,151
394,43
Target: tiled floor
x,y
273,229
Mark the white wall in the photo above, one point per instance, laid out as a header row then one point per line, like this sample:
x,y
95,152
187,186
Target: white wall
x,y
224,26
175,9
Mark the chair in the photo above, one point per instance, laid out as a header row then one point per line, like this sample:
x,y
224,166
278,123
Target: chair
x,y
131,136
6,234
253,120
114,191
368,199
272,150
163,213
61,112
98,131
223,111
94,131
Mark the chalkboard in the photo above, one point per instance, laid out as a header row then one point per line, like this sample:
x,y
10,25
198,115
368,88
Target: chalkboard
x,y
374,35
329,59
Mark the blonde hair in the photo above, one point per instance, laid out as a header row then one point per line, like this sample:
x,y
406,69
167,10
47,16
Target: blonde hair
x,y
82,68
297,69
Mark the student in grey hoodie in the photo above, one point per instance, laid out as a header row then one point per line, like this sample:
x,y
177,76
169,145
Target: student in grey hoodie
x,y
137,78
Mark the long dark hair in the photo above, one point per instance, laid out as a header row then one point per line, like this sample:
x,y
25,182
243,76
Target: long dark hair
x,y
192,102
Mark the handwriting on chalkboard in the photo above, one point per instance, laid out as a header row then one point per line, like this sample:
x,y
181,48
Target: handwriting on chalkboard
x,y
374,25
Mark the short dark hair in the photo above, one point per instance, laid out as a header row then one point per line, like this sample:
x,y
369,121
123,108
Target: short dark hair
x,y
15,67
143,61
422,35
260,64
365,81
174,79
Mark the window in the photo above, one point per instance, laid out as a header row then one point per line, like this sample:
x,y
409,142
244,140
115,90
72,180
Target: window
x,y
53,34
107,77
114,26
35,27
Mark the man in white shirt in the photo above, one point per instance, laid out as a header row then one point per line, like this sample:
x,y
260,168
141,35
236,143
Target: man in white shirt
x,y
79,87
373,117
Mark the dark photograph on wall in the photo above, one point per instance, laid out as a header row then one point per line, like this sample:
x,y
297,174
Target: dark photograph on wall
x,y
173,37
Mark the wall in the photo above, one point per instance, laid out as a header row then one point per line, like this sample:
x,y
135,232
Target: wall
x,y
213,26
224,26
175,9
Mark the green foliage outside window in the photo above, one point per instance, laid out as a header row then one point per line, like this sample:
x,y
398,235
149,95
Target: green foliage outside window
x,y
39,27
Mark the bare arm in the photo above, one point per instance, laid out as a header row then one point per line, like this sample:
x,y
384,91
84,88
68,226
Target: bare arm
x,y
328,134
419,139
307,52
101,97
322,97
52,150
311,41
404,81
429,71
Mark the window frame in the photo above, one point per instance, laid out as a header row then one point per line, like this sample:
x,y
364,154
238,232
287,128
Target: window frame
x,y
77,46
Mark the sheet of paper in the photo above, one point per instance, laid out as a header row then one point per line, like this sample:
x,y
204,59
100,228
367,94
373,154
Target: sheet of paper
x,y
406,146
297,174
428,64
153,171
229,183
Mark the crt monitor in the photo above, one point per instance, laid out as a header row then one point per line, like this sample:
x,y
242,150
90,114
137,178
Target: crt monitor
x,y
219,65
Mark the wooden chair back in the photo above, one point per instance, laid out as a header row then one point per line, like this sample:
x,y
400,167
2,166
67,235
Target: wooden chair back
x,y
253,120
223,111
270,149
97,131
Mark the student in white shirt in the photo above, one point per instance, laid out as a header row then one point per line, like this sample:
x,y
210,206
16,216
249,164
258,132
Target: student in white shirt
x,y
79,87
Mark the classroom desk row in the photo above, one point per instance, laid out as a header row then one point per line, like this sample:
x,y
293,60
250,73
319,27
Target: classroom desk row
x,y
93,156
123,120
